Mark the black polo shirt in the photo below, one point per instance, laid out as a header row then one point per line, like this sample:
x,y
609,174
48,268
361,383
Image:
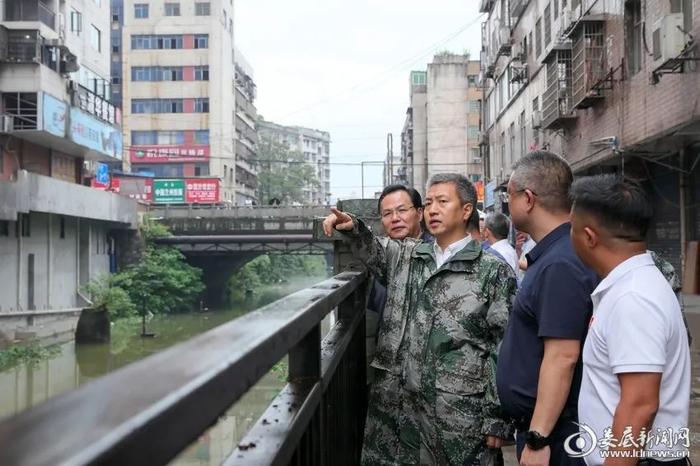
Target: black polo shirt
x,y
554,301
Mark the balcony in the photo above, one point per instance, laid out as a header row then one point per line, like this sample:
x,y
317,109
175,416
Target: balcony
x,y
30,10
589,64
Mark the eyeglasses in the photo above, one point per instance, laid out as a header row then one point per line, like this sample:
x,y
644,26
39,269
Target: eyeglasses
x,y
401,211
527,189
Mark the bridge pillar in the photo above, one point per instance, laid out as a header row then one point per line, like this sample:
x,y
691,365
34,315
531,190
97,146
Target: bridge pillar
x,y
217,270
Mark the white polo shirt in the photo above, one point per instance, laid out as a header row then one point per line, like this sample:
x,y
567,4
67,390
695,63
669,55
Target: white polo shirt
x,y
504,248
636,327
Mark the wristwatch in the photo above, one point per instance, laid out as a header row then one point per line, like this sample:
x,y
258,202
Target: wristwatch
x,y
535,440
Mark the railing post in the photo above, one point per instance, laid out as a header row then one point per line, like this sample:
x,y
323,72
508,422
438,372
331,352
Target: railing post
x,y
305,357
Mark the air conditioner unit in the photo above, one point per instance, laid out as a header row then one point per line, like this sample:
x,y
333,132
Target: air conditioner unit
x,y
536,119
7,123
504,36
483,138
669,40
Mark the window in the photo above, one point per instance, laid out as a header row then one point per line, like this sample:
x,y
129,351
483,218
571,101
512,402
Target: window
x,y
633,35
529,43
472,132
511,155
472,80
116,80
143,42
76,22
419,78
156,106
172,9
475,154
685,7
62,228
115,49
201,105
201,137
4,228
171,73
503,150
144,137
556,9
171,106
474,106
201,41
538,37
140,10
95,38
202,9
547,25
171,138
535,132
201,73
25,224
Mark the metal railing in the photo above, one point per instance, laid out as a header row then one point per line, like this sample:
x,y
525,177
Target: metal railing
x,y
149,411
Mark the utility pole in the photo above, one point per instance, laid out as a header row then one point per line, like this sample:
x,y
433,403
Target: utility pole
x,y
390,159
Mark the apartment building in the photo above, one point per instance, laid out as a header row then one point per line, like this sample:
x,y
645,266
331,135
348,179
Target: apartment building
x,y
178,89
441,128
246,132
610,85
315,145
58,127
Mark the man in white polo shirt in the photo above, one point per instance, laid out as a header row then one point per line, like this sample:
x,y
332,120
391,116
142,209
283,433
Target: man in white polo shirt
x,y
636,359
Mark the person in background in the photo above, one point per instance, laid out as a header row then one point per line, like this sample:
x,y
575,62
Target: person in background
x,y
433,401
496,233
636,358
539,365
401,211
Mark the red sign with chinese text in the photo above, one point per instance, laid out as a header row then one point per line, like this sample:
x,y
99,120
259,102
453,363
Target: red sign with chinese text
x,y
202,190
113,186
166,154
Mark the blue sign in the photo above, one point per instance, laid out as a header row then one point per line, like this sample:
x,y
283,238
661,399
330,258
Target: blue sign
x,y
102,173
54,114
489,197
95,134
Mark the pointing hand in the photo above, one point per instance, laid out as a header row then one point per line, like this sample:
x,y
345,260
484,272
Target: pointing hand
x,y
337,220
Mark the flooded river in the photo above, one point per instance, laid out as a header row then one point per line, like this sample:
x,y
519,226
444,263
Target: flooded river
x,y
23,386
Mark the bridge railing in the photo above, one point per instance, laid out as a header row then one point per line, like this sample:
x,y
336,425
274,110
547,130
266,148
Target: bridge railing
x,y
149,411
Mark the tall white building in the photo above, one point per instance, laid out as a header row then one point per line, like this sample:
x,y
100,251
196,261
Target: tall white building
x,y
178,89
315,145
57,128
246,132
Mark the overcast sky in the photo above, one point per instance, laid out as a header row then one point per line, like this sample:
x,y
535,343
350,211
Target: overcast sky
x,y
343,66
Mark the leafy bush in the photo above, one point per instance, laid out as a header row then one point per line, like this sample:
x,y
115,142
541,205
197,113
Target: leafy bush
x,y
30,355
105,295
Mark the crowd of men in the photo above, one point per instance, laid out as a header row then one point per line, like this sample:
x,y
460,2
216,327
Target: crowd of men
x,y
568,340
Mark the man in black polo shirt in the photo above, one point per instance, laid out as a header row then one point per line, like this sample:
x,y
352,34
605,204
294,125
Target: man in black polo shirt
x,y
539,365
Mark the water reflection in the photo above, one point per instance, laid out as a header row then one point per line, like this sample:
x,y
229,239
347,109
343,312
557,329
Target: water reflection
x,y
25,386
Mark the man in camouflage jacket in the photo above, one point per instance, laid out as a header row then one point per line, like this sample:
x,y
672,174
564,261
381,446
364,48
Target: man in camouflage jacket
x,y
433,400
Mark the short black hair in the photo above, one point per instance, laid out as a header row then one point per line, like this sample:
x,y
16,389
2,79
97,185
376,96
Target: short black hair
x,y
548,176
620,205
392,188
498,224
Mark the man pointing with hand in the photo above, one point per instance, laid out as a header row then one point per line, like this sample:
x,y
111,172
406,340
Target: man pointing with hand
x,y
433,401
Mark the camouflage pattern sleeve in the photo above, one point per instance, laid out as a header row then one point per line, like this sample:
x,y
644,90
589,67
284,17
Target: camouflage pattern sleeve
x,y
502,286
375,252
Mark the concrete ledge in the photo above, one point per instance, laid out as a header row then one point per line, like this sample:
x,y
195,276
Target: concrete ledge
x,y
37,193
18,327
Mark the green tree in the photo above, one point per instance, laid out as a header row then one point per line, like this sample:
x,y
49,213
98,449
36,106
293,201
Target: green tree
x,y
282,173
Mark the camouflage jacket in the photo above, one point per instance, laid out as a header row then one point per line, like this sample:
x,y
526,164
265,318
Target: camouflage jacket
x,y
441,326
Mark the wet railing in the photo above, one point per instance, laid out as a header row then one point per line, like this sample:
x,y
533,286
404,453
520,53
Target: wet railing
x,y
147,412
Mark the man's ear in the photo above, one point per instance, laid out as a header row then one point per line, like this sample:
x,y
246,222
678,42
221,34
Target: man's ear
x,y
467,210
592,237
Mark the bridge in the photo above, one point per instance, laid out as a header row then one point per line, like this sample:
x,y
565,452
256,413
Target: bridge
x,y
317,419
220,240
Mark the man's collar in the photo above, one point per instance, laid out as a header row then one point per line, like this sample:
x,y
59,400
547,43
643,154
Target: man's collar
x,y
546,242
469,252
629,264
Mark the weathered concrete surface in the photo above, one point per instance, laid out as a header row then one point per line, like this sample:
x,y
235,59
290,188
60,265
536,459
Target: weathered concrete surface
x,y
93,327
32,192
17,327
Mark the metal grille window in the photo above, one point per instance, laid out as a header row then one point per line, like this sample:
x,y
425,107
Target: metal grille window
x,y
474,106
547,25
557,104
202,9
538,37
588,62
141,10
172,9
170,138
22,106
633,35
